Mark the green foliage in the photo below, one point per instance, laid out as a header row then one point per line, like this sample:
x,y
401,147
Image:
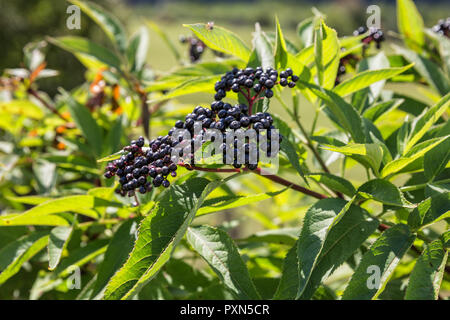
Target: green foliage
x,y
159,233
384,254
219,251
16,253
57,242
110,25
221,39
427,274
359,205
410,23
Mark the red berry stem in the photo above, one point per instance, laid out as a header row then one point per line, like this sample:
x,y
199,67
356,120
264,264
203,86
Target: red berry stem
x,y
291,185
47,105
271,177
218,170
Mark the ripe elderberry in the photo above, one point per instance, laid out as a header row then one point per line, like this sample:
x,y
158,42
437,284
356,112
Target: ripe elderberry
x,y
442,27
144,168
138,167
197,48
261,81
375,35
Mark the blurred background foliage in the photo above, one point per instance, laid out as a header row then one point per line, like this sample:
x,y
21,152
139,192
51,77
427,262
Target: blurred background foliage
x,y
73,168
22,21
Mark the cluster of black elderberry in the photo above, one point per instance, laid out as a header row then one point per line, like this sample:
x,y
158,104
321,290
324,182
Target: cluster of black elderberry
x,y
223,116
138,167
256,79
375,35
341,71
144,168
343,62
443,27
196,48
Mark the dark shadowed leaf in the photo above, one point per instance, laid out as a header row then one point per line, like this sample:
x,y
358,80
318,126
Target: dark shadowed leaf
x,y
379,263
222,255
159,234
333,182
86,123
425,280
430,210
318,221
16,253
57,242
82,48
344,239
109,24
117,253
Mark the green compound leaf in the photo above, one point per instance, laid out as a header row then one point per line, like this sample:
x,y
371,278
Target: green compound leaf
x,y
16,253
220,39
287,147
159,234
365,79
427,69
288,286
222,255
396,166
79,257
117,253
369,155
281,54
285,236
333,182
377,110
426,277
423,123
190,86
318,221
57,242
263,48
318,50
342,241
383,191
137,50
345,237
342,112
431,210
410,24
109,24
230,202
15,219
330,56
32,200
290,46
435,160
379,263
86,123
83,204
85,49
